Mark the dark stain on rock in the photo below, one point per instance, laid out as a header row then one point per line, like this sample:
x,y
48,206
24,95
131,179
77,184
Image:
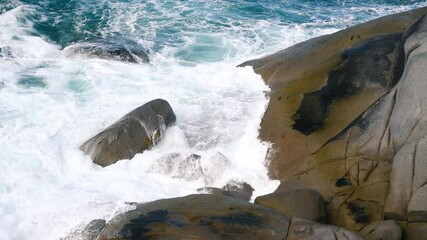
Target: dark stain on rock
x,y
137,227
361,67
246,218
279,98
342,182
233,225
359,213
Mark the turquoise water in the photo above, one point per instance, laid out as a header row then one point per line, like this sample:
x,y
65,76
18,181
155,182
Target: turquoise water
x,y
197,31
52,99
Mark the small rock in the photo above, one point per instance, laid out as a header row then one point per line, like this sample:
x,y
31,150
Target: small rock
x,y
382,230
134,133
234,189
304,203
240,190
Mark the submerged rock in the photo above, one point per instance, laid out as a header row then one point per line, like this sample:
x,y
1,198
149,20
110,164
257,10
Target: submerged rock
x,y
6,51
213,217
192,167
347,110
134,133
119,49
177,166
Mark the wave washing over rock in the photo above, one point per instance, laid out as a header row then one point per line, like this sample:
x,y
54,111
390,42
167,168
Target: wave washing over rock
x,y
338,126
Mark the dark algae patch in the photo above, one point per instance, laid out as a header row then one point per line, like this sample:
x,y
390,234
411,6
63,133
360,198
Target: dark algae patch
x,y
241,219
359,213
342,182
137,227
364,66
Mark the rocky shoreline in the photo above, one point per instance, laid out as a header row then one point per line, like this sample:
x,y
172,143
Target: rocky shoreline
x,y
347,122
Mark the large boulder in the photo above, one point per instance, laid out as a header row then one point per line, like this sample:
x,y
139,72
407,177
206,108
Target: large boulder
x,y
213,217
119,49
134,133
347,110
305,203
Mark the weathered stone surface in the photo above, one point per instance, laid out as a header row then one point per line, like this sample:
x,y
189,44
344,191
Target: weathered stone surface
x,y
305,203
90,232
307,230
134,133
408,127
341,107
416,231
234,189
382,230
303,59
121,49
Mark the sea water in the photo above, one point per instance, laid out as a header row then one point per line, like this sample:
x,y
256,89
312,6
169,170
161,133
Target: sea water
x,y
51,102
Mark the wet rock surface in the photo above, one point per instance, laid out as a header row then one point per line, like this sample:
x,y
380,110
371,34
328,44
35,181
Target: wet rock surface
x,y
134,133
304,203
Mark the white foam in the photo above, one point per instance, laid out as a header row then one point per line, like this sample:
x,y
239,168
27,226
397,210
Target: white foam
x,y
49,186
